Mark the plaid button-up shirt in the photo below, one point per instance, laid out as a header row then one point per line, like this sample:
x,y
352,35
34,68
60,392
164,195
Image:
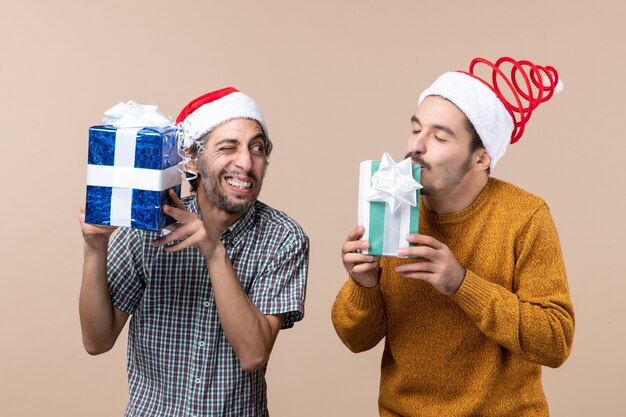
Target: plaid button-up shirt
x,y
179,361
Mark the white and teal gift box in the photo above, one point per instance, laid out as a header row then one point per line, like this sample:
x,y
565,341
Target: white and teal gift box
x,y
132,162
388,203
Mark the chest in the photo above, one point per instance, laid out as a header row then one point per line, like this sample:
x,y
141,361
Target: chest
x,y
485,245
179,283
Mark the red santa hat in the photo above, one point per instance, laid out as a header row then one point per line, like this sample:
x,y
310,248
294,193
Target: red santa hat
x,y
210,110
500,106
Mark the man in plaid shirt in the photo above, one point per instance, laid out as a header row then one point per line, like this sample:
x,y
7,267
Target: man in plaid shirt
x,y
208,299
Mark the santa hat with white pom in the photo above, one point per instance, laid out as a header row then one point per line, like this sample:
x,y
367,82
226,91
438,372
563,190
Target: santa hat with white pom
x,y
497,119
205,113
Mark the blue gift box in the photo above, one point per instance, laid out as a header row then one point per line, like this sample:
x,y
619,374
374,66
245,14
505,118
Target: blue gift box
x,y
128,174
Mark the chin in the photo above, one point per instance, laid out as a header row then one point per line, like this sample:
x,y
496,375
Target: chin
x,y
238,204
427,190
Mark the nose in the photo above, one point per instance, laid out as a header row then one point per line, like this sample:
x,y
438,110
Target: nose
x,y
243,160
417,143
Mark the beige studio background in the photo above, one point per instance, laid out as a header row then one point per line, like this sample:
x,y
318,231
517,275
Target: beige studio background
x,y
337,82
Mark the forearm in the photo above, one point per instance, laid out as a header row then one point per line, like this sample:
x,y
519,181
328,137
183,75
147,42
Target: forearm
x,y
248,330
539,328
358,316
97,314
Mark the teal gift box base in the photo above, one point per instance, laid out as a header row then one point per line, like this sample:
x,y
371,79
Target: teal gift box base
x,y
386,231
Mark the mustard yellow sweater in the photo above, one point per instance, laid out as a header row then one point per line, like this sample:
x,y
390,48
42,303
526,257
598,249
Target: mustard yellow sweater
x,y
480,351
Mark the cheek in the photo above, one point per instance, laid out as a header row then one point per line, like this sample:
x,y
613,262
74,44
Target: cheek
x,y
448,156
217,161
260,170
436,156
208,170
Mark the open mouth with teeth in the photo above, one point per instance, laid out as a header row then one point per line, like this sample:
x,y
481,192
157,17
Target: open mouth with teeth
x,y
239,185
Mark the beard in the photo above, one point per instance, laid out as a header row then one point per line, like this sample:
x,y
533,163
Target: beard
x,y
451,176
216,196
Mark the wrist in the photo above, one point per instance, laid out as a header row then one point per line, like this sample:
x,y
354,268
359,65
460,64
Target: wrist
x,y
97,243
368,281
214,251
365,283
454,288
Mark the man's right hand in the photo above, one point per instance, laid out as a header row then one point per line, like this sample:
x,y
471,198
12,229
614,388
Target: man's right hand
x,y
95,236
361,267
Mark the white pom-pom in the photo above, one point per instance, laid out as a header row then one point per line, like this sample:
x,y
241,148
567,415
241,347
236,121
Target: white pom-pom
x,y
557,88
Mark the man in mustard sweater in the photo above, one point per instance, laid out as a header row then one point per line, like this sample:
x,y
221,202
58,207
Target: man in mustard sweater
x,y
468,325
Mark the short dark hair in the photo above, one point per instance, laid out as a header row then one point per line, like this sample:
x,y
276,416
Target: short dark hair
x,y
193,150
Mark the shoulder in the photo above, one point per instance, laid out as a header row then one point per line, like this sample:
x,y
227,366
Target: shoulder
x,y
271,220
514,199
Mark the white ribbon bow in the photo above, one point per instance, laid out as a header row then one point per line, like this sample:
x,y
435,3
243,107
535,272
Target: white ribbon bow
x,y
131,114
394,183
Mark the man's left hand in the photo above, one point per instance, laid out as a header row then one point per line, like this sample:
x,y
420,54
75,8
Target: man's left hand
x,y
437,264
190,230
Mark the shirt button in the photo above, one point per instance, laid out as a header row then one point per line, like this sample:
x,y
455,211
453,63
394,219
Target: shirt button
x,y
201,343
198,380
206,304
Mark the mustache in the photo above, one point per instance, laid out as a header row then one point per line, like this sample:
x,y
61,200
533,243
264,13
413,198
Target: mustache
x,y
417,159
204,171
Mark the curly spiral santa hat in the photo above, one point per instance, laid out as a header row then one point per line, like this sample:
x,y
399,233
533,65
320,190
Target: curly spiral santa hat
x,y
499,107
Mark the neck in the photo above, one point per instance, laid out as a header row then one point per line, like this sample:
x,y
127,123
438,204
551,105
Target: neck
x,y
217,219
458,198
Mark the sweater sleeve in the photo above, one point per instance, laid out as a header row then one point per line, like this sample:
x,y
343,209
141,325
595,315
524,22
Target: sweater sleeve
x,y
358,316
536,319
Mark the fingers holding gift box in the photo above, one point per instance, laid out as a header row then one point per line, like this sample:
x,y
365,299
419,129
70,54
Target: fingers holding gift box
x,y
437,265
363,268
94,235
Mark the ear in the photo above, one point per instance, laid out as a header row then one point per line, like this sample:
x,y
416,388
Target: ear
x,y
192,164
481,160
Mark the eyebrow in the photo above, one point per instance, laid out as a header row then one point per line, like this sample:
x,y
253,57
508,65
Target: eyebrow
x,y
228,141
232,141
446,129
259,135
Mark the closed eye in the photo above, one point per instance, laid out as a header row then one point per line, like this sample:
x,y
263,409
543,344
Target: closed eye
x,y
227,149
